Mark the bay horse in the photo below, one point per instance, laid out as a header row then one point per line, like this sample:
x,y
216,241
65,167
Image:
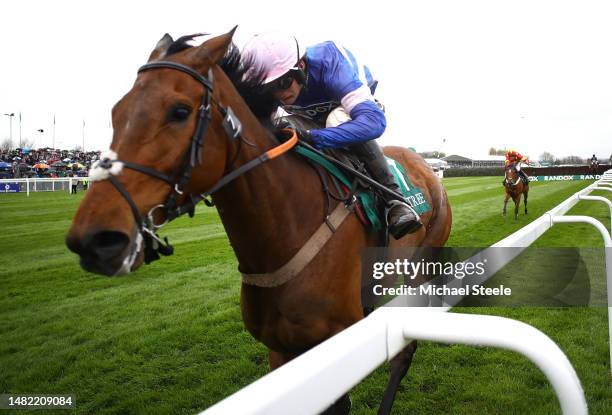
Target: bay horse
x,y
192,126
514,187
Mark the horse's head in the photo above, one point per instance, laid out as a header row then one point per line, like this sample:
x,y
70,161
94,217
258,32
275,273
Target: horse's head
x,y
512,176
156,156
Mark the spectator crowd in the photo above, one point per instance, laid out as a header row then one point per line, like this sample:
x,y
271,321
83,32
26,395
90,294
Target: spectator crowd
x,y
45,162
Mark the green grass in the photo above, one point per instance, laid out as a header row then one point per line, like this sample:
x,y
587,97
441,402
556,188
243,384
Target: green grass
x,y
169,338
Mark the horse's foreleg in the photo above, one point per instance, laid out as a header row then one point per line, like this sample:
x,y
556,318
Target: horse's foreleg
x,y
277,359
505,204
517,202
525,201
399,367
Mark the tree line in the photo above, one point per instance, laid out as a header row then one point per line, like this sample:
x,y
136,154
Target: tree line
x,y
548,157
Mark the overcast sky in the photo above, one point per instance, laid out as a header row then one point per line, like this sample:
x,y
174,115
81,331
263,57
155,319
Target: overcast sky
x,y
533,75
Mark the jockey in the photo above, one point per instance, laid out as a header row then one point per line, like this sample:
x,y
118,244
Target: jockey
x,y
594,159
326,84
513,156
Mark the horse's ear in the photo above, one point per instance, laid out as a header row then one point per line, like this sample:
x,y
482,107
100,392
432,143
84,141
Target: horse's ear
x,y
215,48
161,47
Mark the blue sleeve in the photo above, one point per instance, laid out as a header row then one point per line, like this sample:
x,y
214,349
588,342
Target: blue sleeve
x,y
340,76
367,122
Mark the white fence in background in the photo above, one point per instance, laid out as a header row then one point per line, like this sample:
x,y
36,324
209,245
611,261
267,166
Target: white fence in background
x,y
313,381
40,184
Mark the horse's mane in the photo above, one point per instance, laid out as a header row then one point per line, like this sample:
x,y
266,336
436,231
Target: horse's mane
x,y
260,101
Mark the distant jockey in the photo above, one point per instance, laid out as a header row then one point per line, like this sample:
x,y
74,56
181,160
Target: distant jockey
x,y
325,83
594,165
513,156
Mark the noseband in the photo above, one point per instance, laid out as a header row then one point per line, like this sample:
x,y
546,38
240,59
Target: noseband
x,y
109,166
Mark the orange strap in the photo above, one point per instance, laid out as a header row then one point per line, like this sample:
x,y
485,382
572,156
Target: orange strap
x,y
286,146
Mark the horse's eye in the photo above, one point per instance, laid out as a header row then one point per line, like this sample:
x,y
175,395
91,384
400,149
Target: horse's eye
x,y
179,113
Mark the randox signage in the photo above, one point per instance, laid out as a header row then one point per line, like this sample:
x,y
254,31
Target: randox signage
x,y
565,177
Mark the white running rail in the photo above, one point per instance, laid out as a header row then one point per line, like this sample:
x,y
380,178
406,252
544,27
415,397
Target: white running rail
x,y
41,184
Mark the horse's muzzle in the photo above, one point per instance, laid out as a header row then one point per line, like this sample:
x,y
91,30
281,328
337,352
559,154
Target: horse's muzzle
x,y
102,252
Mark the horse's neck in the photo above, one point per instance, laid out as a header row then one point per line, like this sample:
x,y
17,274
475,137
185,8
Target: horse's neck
x,y
271,211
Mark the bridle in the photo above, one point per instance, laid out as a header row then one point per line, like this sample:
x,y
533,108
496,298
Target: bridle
x,y
518,179
153,245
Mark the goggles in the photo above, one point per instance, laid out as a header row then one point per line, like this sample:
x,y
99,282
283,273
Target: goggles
x,y
282,83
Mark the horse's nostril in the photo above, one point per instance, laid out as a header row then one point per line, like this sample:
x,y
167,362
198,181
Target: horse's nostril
x,y
74,244
107,244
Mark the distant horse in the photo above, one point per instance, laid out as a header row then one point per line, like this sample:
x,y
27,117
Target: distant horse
x,y
190,127
515,187
594,167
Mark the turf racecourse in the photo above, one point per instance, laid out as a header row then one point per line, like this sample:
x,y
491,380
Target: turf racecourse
x,y
169,339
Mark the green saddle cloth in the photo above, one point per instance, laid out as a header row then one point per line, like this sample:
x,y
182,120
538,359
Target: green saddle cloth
x,y
414,195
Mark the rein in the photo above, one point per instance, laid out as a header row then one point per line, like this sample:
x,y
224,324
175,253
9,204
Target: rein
x,y
110,166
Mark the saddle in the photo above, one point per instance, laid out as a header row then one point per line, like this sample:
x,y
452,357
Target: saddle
x,y
353,183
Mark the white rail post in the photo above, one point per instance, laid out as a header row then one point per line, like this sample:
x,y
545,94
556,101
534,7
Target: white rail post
x,y
608,255
494,331
601,188
600,199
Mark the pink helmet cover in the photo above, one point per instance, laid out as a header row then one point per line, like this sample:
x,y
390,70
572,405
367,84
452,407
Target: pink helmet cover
x,y
273,54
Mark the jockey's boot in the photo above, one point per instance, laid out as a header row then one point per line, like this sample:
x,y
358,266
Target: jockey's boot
x,y
523,176
402,219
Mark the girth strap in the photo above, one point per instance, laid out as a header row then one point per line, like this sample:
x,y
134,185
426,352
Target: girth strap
x,y
303,257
